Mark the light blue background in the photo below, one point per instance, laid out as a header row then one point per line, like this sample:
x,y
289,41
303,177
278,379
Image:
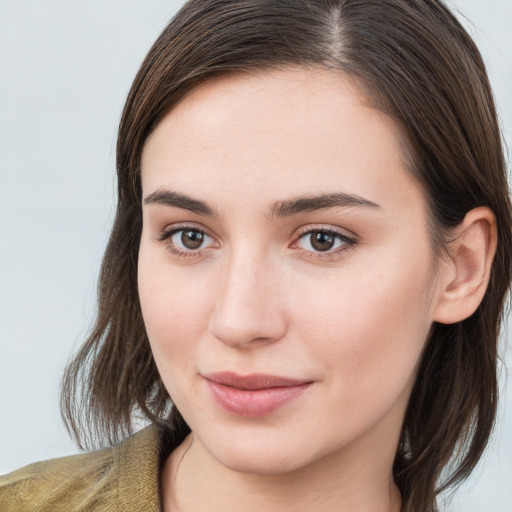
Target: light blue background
x,y
65,69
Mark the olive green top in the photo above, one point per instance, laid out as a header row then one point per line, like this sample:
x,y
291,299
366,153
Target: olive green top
x,y
122,478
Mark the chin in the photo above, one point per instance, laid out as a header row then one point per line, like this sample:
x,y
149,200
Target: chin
x,y
260,454
260,462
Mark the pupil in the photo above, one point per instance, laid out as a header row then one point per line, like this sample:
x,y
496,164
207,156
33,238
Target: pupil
x,y
322,241
192,239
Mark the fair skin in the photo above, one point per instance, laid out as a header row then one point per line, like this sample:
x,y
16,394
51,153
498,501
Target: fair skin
x,y
338,293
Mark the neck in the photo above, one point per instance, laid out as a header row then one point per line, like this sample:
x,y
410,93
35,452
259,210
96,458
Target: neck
x,y
194,481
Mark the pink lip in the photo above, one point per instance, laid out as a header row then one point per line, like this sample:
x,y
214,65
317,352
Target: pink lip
x,y
253,395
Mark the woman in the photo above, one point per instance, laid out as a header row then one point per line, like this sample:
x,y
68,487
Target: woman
x,y
310,257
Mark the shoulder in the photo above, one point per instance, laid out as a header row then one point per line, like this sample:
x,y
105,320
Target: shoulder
x,y
70,483
114,479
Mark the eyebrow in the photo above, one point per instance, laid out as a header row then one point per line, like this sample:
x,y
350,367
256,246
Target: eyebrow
x,y
170,198
284,208
320,202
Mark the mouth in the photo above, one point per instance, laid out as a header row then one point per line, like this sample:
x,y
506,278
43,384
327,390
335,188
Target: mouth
x,y
253,395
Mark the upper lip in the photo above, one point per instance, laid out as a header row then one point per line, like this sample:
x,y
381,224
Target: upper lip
x,y
253,381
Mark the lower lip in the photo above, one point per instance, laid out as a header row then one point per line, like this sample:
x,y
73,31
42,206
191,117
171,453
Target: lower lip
x,y
252,403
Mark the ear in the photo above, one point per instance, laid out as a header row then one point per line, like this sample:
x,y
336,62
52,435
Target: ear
x,y
464,275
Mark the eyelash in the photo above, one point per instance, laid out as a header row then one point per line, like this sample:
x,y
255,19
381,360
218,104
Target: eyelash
x,y
168,233
347,241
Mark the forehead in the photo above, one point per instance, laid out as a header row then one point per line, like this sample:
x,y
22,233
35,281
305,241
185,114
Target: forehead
x,y
276,133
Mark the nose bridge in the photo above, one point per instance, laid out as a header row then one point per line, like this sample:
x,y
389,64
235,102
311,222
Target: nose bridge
x,y
247,305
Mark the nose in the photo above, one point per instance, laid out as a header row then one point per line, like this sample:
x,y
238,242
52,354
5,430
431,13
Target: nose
x,y
248,306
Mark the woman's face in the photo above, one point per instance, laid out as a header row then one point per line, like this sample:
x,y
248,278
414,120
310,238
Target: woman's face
x,y
286,276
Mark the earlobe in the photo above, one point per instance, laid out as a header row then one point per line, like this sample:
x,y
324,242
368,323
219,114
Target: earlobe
x,y
465,276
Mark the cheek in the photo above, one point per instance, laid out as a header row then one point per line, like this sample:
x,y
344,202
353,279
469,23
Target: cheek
x,y
175,307
368,329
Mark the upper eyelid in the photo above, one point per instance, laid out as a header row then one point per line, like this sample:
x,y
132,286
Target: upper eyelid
x,y
184,225
327,228
173,228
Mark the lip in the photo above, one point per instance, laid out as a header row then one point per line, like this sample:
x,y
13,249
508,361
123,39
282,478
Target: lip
x,y
255,394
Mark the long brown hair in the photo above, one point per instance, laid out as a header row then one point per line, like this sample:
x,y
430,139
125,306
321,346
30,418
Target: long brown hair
x,y
416,63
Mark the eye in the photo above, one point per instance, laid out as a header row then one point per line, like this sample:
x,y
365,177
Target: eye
x,y
186,240
324,241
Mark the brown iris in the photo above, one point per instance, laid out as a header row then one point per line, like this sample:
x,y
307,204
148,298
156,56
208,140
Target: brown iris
x,y
192,239
322,241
